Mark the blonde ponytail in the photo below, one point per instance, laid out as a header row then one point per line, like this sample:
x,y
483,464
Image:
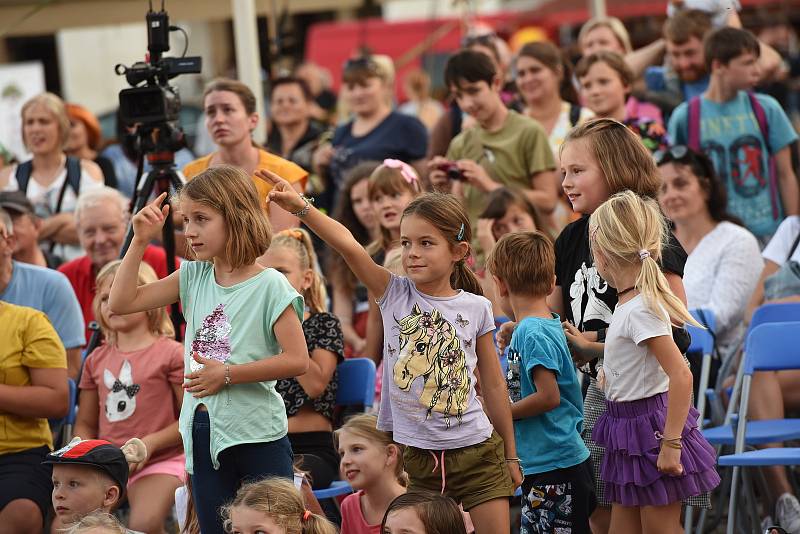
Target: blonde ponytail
x,y
627,230
316,524
298,241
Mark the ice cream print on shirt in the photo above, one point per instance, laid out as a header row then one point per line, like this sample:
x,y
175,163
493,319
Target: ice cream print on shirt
x,y
213,338
590,285
121,399
430,348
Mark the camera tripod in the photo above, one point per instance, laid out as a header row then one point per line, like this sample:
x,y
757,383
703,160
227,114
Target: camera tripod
x,y
162,178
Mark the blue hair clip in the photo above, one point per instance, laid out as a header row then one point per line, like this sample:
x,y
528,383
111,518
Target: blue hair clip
x,y
460,236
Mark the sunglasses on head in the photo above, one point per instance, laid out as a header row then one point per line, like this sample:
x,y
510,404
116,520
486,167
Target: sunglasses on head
x,y
484,39
361,63
684,154
673,153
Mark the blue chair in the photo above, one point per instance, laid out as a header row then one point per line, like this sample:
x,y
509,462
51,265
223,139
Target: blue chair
x,y
702,343
356,382
758,432
769,347
356,388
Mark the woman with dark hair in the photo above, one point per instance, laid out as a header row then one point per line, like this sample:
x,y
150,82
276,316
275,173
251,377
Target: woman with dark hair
x,y
350,301
724,261
544,81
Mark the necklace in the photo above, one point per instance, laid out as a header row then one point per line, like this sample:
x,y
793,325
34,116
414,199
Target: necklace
x,y
628,290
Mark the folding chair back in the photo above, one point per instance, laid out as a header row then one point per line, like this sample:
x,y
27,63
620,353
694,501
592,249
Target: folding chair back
x,y
356,382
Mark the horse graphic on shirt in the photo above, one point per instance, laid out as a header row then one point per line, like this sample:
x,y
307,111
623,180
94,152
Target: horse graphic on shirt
x,y
430,348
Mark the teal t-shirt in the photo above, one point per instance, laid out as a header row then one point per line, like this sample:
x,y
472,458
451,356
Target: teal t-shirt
x,y
731,137
234,325
551,440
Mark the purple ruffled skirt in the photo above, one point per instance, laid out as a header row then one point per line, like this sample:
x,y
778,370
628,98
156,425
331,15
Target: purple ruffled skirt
x,y
627,431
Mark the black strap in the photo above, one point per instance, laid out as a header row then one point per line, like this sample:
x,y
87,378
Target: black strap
x,y
23,175
794,247
73,179
574,114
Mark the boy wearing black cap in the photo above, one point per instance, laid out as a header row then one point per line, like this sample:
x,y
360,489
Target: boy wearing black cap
x,y
90,475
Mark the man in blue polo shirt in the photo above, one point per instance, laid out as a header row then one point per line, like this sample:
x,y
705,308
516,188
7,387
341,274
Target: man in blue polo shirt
x,y
45,290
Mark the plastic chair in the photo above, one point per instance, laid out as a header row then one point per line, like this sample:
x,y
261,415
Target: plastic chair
x,y
356,382
769,347
356,388
702,342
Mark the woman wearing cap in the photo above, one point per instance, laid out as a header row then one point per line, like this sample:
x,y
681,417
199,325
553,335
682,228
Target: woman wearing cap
x,y
85,139
51,180
375,132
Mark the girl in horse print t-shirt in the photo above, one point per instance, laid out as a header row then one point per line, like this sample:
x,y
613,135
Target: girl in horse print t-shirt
x,y
437,332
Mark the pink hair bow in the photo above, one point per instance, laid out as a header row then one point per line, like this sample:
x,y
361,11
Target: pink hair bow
x,y
405,169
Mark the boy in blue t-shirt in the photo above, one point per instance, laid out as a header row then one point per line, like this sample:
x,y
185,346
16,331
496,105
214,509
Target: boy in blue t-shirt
x,y
728,130
547,405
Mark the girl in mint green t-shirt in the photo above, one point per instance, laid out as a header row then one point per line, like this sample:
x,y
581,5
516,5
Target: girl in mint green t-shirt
x,y
243,333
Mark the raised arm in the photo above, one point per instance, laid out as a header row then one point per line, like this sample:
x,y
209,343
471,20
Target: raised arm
x,y
126,295
372,275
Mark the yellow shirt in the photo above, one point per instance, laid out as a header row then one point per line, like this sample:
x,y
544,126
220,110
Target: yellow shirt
x,y
28,342
287,170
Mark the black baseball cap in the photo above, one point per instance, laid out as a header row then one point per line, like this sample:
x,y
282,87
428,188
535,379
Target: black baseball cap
x,y
97,453
15,201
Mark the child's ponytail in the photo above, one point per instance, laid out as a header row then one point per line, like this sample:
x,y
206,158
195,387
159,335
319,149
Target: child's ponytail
x,y
628,229
300,243
464,278
446,213
279,499
316,524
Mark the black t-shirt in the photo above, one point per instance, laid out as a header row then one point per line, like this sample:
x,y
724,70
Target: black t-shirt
x,y
322,331
588,300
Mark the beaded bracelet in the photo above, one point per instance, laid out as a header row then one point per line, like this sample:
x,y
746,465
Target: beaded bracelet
x,y
305,209
227,375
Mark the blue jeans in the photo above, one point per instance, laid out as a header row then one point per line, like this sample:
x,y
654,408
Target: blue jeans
x,y
214,488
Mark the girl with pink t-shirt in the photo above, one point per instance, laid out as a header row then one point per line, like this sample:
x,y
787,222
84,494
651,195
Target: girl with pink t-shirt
x,y
131,387
373,466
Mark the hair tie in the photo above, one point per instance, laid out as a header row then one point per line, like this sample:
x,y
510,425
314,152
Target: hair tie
x,y
306,515
460,235
406,170
644,254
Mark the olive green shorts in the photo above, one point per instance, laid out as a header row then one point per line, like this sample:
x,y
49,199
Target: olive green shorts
x,y
473,475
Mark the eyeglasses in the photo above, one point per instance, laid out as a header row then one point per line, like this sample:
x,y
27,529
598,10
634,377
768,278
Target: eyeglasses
x,y
361,63
484,39
701,164
677,152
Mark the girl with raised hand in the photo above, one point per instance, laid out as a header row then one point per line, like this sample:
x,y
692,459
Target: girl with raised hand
x,y
655,456
437,332
311,398
130,387
243,333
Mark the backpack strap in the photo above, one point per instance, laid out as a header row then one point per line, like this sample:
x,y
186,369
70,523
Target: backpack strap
x,y
694,124
23,175
763,126
73,180
574,114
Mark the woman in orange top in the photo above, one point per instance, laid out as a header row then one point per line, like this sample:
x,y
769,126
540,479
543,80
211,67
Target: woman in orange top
x,y
231,117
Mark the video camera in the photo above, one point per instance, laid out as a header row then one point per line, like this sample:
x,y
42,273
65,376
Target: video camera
x,y
156,103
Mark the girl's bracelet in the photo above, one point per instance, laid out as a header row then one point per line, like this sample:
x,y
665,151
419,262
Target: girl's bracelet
x,y
227,375
675,443
514,459
305,209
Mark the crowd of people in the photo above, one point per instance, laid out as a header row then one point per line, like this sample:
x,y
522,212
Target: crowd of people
x,y
518,262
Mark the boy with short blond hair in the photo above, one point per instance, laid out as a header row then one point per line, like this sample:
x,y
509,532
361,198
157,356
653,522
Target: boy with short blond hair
x,y
90,475
547,405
